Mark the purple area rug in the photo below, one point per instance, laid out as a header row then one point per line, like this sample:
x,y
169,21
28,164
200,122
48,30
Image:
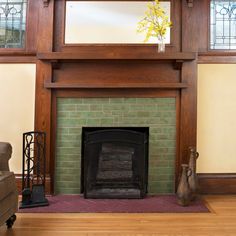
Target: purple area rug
x,y
150,204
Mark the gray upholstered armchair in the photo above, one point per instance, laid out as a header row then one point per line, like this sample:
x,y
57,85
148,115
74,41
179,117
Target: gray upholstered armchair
x,y
8,189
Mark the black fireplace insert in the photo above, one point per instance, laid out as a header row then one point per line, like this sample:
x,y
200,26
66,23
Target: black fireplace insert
x,y
114,162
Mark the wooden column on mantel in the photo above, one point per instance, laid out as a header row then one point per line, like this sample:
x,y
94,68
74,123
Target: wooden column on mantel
x,y
44,73
188,113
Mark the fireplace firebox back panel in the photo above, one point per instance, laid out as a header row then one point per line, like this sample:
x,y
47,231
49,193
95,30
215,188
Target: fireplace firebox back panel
x,y
159,114
114,162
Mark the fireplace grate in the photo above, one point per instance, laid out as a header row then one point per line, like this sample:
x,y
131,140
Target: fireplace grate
x,y
114,162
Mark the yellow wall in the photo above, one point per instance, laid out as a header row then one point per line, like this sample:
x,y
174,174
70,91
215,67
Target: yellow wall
x,y
216,142
216,139
17,96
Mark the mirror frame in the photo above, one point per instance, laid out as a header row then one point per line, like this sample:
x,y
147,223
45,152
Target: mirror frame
x,y
59,33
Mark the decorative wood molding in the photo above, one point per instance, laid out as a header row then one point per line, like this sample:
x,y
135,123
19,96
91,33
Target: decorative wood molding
x,y
55,85
216,57
16,53
185,56
178,64
178,58
46,3
17,57
216,60
190,3
55,64
217,183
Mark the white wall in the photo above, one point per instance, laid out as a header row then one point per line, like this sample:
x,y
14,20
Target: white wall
x,y
216,139
17,98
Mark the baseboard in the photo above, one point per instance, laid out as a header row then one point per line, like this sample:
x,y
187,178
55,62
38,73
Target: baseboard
x,y
214,183
210,183
19,184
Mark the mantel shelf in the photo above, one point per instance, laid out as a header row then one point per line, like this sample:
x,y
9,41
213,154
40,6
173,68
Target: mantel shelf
x,y
64,56
177,58
55,85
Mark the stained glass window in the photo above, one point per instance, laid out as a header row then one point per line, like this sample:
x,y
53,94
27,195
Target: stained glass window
x,y
12,23
223,24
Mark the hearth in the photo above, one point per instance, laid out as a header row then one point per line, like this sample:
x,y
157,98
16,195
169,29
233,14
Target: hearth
x,y
114,162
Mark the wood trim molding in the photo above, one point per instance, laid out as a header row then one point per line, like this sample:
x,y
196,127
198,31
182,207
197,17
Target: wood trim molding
x,y
214,183
59,43
53,85
217,57
190,3
16,53
216,60
46,3
209,183
176,56
18,59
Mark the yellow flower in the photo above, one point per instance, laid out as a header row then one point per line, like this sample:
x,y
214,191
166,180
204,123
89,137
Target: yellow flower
x,y
155,22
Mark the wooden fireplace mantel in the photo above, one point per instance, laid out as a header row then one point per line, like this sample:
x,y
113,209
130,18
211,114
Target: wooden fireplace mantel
x,y
56,58
178,57
185,56
82,71
75,70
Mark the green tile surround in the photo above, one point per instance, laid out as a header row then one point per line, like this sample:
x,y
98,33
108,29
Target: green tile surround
x,y
159,114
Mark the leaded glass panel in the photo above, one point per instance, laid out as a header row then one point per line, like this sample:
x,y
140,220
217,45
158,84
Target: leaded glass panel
x,y
12,23
223,24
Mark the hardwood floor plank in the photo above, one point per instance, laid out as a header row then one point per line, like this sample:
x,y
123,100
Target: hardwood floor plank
x,y
219,222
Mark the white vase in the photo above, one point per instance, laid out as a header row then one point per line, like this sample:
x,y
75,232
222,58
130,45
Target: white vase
x,y
161,46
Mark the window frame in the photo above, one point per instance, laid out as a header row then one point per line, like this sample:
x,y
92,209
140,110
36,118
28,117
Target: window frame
x,y
30,43
214,50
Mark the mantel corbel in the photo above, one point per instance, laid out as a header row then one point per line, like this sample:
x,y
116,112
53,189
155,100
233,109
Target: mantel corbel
x,y
46,3
190,3
55,64
177,65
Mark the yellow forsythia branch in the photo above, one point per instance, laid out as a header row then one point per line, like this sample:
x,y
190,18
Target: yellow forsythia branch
x,y
155,22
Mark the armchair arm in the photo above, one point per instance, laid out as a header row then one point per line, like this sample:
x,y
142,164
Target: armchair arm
x,y
5,155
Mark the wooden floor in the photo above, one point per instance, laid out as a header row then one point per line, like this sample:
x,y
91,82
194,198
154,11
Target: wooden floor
x,y
220,222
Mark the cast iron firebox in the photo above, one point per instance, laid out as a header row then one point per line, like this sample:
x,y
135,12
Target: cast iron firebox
x,y
114,162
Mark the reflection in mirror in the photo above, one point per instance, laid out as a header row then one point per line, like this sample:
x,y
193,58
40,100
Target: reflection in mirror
x,y
107,22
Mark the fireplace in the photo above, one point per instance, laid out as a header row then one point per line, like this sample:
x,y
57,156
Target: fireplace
x,y
79,73
114,162
77,115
